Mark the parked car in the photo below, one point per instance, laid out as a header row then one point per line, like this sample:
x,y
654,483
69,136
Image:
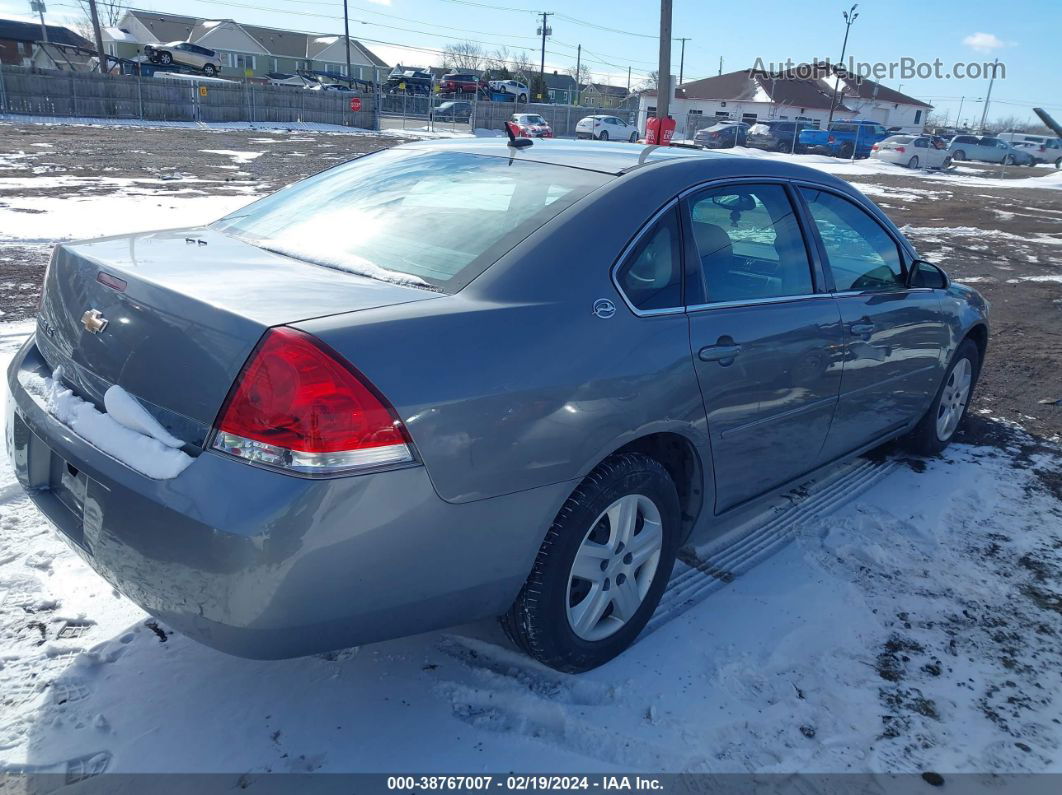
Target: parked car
x,y
1048,151
606,128
723,135
532,125
989,150
460,83
912,151
775,135
514,87
292,437
186,54
410,81
843,138
455,110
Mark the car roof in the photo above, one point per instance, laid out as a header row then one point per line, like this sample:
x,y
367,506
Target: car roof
x,y
621,158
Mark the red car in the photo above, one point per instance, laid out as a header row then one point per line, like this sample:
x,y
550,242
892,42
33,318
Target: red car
x,y
532,125
459,84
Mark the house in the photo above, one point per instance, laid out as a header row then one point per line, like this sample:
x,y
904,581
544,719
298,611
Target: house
x,y
560,88
749,95
601,95
249,51
20,41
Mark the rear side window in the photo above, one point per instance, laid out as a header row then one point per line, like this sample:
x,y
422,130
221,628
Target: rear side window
x,y
861,254
430,218
749,243
651,277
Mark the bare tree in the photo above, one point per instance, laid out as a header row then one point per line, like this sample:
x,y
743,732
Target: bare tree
x,y
649,83
467,56
110,13
523,67
580,75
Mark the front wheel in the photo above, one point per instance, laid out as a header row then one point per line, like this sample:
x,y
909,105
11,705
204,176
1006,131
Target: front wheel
x,y
959,155
947,163
634,137
847,150
603,136
602,567
913,162
165,58
1008,160
210,70
939,424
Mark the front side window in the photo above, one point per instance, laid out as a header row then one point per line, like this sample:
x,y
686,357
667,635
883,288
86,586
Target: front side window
x,y
861,254
430,218
651,277
749,243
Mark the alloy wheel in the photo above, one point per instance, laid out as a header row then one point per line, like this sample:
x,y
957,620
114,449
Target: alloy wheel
x,y
614,567
953,399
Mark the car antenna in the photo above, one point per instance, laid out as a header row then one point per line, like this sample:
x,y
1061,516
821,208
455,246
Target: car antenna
x,y
516,143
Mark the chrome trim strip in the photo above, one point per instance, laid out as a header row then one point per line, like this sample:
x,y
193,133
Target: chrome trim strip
x,y
782,299
623,258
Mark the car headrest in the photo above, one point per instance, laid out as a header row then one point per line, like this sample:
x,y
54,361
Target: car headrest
x,y
711,240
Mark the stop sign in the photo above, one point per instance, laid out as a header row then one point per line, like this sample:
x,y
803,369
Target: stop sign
x,y
355,103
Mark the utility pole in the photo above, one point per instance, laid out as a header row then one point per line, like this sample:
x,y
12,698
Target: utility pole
x,y
578,72
38,6
682,61
720,64
663,75
545,32
628,81
346,40
958,116
849,18
101,56
988,96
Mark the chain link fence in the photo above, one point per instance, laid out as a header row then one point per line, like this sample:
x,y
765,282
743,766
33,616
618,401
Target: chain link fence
x,y
84,94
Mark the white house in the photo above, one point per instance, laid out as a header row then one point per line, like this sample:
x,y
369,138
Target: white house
x,y
751,96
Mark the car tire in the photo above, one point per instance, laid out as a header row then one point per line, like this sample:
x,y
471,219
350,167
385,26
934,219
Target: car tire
x,y
522,98
603,136
784,147
959,155
209,70
846,150
945,415
165,58
913,162
568,637
634,138
1008,160
946,163
1058,163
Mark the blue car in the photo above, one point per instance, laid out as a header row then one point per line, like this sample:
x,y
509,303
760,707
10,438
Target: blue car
x,y
843,138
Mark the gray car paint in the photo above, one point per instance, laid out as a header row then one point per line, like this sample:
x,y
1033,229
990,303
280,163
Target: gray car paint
x,y
512,390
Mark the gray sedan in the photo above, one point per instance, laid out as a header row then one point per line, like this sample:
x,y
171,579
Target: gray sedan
x,y
315,424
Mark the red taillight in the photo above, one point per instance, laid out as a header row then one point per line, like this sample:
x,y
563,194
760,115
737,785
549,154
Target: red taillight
x,y
831,140
901,149
297,406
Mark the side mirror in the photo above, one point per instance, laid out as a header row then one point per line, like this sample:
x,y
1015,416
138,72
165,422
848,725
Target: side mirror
x,y
926,274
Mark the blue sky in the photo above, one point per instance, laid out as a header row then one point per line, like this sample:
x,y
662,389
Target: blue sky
x,y
617,34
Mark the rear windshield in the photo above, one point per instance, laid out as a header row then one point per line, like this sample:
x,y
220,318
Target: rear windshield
x,y
433,219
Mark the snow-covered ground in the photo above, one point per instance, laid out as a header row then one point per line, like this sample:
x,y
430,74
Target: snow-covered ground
x,y
898,615
902,616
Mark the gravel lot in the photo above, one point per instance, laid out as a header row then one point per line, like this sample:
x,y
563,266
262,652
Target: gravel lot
x,y
1006,240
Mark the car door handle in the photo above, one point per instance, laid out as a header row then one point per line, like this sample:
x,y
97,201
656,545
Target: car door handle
x,y
724,354
863,329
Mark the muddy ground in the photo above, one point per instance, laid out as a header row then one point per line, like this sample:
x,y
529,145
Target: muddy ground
x,y
1005,241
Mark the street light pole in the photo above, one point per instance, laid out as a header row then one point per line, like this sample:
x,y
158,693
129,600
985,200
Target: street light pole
x,y
849,18
663,75
346,40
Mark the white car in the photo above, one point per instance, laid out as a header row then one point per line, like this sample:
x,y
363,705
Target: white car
x,y
606,128
514,87
913,151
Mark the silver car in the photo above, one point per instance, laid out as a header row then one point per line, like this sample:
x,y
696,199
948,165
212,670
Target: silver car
x,y
455,380
186,54
988,150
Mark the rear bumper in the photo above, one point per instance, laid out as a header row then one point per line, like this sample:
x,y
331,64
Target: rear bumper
x,y
261,564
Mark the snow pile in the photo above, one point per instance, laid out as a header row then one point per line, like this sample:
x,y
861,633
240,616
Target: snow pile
x,y
126,432
240,158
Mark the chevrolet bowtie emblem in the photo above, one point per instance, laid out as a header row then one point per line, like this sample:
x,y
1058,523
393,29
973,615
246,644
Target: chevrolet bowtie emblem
x,y
93,321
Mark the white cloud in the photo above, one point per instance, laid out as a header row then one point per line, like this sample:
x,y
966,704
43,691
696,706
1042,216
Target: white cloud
x,y
984,42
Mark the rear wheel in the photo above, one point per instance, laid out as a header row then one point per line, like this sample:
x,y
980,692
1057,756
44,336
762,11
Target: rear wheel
x,y
603,136
634,137
522,98
913,162
936,429
1008,160
947,163
602,567
210,70
846,150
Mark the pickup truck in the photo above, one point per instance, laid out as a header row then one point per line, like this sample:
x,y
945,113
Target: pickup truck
x,y
843,138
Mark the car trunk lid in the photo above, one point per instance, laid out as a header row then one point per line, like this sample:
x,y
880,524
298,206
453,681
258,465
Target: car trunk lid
x,y
181,312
